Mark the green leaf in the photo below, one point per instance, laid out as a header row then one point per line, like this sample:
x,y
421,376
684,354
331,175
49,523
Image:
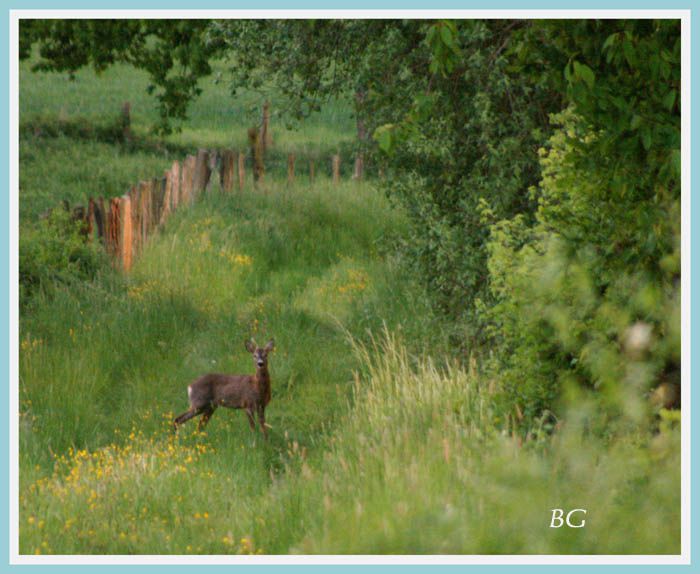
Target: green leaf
x,y
383,137
669,100
609,41
630,54
587,75
446,36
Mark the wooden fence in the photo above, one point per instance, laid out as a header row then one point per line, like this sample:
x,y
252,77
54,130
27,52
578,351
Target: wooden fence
x,y
124,224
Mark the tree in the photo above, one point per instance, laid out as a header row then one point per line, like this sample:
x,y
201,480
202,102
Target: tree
x,y
175,53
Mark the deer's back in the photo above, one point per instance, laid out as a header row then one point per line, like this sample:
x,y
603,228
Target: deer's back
x,y
237,391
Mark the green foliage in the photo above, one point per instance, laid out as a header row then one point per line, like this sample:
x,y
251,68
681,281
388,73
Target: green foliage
x,y
589,296
174,53
53,253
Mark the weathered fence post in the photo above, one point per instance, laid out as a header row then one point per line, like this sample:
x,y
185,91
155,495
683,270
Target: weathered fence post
x,y
214,157
256,149
290,168
175,183
312,171
135,195
91,219
126,232
167,196
187,178
336,169
266,135
202,172
241,170
99,215
145,189
114,228
227,170
359,166
158,200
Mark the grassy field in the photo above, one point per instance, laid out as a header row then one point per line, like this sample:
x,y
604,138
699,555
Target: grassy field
x,y
379,442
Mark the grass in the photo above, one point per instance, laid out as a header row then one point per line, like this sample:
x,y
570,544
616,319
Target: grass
x,y
215,119
116,356
379,444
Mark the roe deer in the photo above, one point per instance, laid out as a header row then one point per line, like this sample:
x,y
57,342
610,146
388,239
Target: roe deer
x,y
249,392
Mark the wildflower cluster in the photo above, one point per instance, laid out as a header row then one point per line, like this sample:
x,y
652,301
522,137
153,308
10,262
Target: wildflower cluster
x,y
143,290
236,259
90,493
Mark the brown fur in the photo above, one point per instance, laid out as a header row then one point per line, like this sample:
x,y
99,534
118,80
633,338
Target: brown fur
x,y
249,392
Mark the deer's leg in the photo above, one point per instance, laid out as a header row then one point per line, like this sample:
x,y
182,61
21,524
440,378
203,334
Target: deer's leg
x,y
184,417
206,415
261,420
251,419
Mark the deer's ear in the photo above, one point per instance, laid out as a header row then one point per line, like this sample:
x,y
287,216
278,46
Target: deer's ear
x,y
250,346
270,345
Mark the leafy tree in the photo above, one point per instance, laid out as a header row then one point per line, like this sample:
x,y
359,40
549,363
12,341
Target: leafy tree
x,y
590,294
175,53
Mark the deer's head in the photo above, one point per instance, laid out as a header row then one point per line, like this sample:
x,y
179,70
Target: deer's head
x,y
259,353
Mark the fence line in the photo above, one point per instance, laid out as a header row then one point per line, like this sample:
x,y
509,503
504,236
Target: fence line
x,y
124,224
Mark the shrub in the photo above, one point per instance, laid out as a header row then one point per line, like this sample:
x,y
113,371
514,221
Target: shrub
x,y
55,251
590,294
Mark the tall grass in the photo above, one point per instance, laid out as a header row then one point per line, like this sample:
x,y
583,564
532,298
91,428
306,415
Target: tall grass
x,y
415,465
215,118
104,358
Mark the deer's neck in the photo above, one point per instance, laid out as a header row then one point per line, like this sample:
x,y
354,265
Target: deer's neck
x,y
262,377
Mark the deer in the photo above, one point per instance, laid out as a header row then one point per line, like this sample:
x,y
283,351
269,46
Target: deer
x,y
249,392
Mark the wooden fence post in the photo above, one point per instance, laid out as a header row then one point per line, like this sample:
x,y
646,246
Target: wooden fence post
x,y
187,178
105,220
336,169
114,228
135,195
257,151
266,135
158,199
312,171
227,170
167,196
201,172
214,162
91,219
359,166
241,170
175,183
144,209
99,214
290,168
126,232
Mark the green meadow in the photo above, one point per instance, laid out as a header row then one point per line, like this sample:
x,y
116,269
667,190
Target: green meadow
x,y
380,441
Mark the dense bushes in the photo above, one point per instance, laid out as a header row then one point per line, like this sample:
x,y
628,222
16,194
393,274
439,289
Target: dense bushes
x,y
55,252
567,266
590,293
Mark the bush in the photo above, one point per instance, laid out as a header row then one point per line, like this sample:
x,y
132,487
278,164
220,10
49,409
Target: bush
x,y
590,294
53,252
